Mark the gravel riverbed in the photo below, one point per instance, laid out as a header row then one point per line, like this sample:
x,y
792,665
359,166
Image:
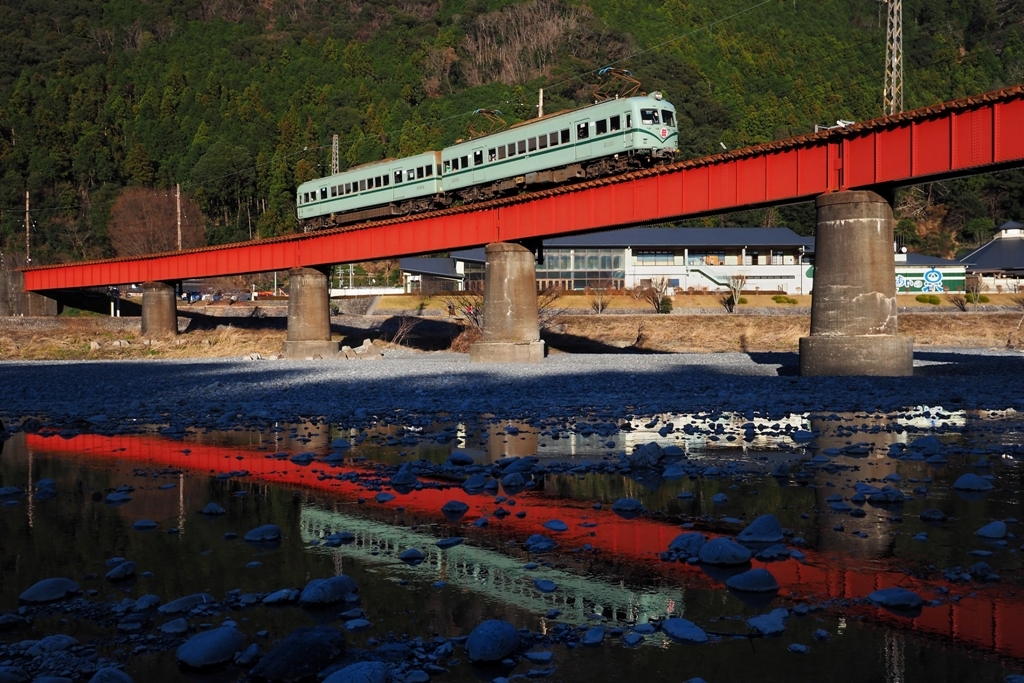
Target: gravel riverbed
x,y
113,394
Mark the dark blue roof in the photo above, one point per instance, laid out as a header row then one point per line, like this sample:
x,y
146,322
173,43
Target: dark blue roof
x,y
684,237
1006,253
653,238
441,267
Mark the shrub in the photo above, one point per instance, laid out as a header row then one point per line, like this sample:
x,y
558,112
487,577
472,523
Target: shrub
x,y
976,298
665,305
934,300
921,298
743,300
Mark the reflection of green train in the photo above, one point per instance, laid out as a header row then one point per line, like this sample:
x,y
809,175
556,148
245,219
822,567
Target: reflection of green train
x,y
605,138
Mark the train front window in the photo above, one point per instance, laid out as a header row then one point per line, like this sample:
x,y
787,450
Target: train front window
x,y
649,117
668,118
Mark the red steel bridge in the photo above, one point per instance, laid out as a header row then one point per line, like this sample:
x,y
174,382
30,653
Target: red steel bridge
x,y
970,136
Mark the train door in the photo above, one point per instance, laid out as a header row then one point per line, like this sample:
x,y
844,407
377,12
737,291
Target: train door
x,y
583,139
479,172
399,182
627,129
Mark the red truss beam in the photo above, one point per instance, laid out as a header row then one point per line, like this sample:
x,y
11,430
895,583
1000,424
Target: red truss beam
x,y
965,137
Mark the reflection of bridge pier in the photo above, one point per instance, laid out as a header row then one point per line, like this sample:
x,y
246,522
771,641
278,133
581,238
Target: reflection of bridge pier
x,y
875,464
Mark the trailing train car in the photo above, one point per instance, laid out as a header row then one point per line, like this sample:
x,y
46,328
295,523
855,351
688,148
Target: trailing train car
x,y
608,137
379,189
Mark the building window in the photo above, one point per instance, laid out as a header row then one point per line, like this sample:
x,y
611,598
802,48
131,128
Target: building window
x,y
655,258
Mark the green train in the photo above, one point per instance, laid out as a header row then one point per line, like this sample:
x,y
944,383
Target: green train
x,y
602,139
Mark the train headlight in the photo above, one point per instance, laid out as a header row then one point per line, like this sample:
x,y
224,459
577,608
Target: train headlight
x,y
657,95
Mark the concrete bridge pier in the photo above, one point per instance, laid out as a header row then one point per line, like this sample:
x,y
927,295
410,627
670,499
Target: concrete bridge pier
x,y
309,315
159,310
14,300
853,308
511,333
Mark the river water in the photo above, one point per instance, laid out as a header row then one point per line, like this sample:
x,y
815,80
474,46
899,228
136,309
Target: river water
x,y
608,569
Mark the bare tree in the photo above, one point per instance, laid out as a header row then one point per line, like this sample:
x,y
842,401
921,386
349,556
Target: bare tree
x,y
735,284
144,221
600,293
547,311
657,296
467,306
973,287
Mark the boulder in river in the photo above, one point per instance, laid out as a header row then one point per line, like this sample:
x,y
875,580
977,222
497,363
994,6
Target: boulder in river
x,y
49,590
268,533
722,551
363,672
122,571
327,591
754,581
209,649
109,674
764,529
186,604
303,654
683,631
492,641
972,482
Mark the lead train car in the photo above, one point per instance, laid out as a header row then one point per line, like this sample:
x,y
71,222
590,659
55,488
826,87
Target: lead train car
x,y
608,137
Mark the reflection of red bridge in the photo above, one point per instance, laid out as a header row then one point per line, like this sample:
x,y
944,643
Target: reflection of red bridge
x,y
989,621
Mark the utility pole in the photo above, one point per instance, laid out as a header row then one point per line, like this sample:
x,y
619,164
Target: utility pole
x,y
334,155
177,199
28,251
893,96
540,105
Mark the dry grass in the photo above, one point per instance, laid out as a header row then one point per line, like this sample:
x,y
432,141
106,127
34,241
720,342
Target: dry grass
x,y
67,338
715,333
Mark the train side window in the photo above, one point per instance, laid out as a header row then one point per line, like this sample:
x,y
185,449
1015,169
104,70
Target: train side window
x,y
306,199
554,139
334,191
600,127
522,146
582,131
668,118
542,141
387,180
491,155
501,152
410,174
478,157
565,136
398,177
447,165
649,117
615,123
531,144
511,149
362,185
454,163
377,182
629,120
419,172
428,170
323,193
465,162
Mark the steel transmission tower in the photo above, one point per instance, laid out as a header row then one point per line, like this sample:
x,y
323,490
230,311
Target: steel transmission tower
x,y
893,96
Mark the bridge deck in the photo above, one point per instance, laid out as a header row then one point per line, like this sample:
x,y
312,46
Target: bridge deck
x,y
965,137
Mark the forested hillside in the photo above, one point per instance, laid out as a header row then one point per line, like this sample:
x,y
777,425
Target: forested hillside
x,y
237,100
